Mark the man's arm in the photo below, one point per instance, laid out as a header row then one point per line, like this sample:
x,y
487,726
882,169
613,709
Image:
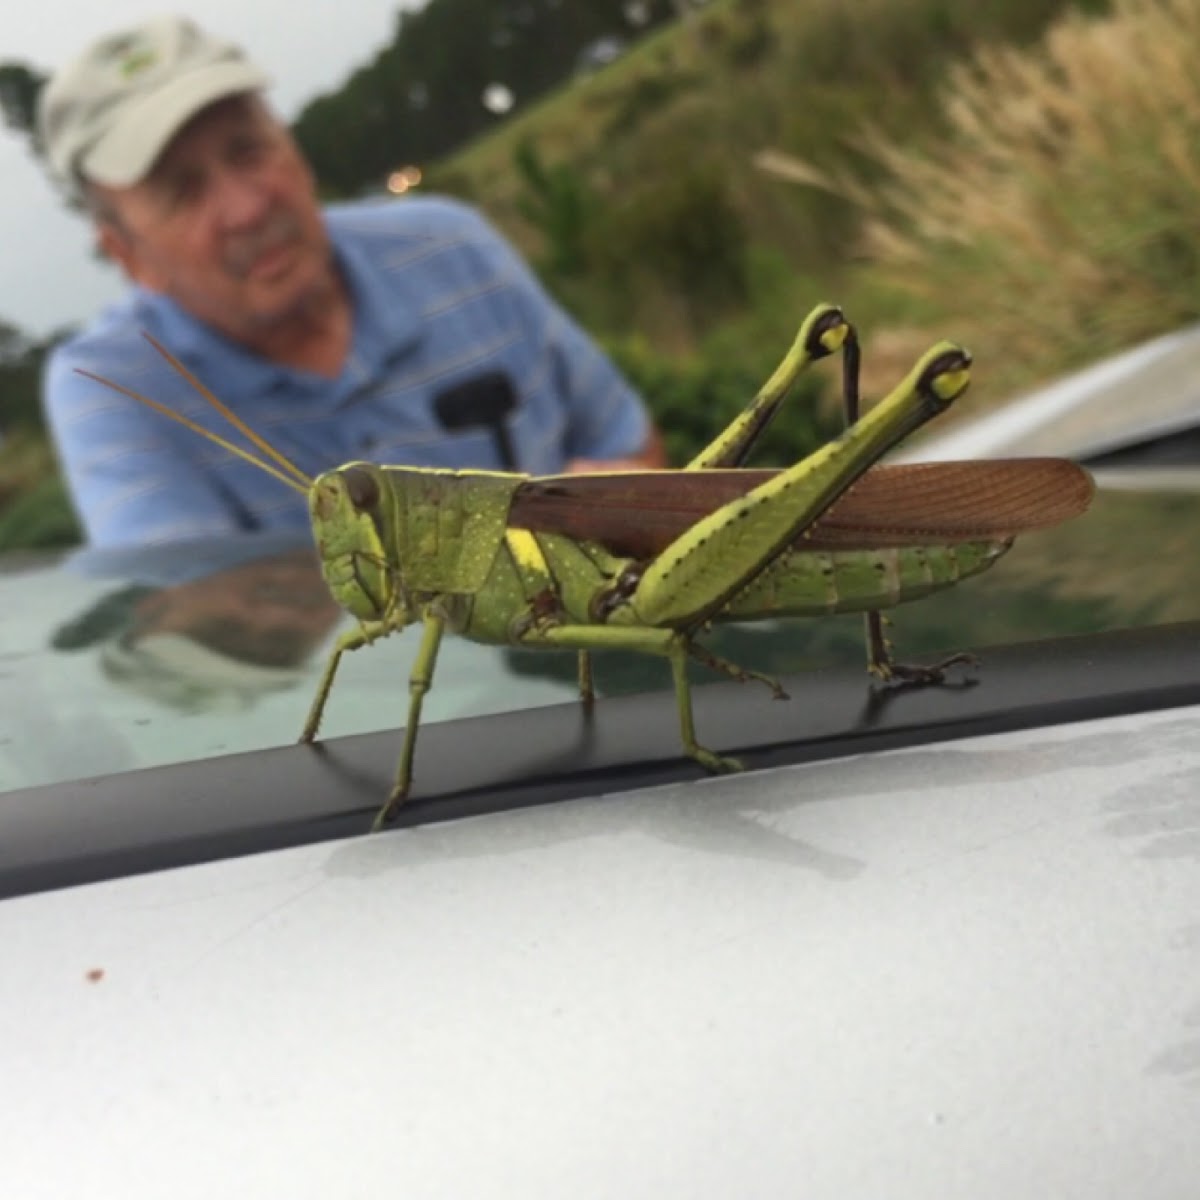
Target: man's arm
x,y
652,457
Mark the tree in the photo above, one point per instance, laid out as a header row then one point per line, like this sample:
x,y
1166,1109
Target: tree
x,y
20,87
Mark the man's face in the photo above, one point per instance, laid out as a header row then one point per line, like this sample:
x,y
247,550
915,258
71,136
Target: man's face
x,y
227,223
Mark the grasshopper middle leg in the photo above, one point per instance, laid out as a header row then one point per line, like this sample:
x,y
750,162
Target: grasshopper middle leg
x,y
666,643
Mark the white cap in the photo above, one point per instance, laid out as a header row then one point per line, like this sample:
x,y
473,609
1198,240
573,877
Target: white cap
x,y
175,670
110,113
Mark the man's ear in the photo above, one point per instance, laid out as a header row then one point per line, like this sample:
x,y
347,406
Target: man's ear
x,y
114,245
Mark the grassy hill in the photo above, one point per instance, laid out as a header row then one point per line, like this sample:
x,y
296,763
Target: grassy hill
x,y
643,193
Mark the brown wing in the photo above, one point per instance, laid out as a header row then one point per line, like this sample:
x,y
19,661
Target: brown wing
x,y
637,514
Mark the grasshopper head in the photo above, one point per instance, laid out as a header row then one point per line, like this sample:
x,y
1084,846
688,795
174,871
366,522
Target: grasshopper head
x,y
345,507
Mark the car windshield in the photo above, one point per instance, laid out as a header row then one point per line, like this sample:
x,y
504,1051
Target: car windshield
x,y
644,206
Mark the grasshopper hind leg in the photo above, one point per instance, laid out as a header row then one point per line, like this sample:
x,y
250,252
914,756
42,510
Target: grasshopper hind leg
x,y
742,674
883,666
880,661
586,679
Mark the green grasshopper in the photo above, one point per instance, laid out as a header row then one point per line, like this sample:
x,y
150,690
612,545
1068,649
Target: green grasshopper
x,y
648,561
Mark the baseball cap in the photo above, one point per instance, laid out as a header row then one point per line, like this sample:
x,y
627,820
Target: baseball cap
x,y
110,112
182,673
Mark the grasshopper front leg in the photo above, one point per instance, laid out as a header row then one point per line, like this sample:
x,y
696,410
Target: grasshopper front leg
x,y
420,681
353,639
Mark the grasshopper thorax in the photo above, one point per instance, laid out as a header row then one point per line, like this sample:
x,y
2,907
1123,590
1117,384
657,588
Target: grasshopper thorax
x,y
345,506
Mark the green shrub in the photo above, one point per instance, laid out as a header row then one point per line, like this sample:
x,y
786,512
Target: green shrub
x,y
681,231
560,205
644,95
39,519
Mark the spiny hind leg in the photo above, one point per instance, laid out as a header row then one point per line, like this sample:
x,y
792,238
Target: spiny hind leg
x,y
880,662
716,556
821,334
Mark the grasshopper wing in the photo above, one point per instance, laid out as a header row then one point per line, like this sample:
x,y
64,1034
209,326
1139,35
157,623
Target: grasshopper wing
x,y
637,513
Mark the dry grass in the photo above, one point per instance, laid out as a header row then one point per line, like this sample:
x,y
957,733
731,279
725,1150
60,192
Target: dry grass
x,y
1055,220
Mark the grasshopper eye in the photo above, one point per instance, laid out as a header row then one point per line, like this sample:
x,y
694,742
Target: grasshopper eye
x,y
361,488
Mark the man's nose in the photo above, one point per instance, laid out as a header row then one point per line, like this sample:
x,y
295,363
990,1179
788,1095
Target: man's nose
x,y
241,200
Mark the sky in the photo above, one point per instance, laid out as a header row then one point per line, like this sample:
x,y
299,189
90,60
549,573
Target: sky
x,y
48,276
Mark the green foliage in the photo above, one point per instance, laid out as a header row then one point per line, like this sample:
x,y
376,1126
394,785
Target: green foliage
x,y
669,138
1066,177
38,518
21,359
35,511
560,205
20,86
643,94
682,233
741,35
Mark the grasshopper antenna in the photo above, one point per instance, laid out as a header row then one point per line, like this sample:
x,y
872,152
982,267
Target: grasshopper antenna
x,y
228,413
204,433
293,478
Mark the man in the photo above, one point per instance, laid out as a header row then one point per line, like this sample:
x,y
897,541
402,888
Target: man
x,y
390,330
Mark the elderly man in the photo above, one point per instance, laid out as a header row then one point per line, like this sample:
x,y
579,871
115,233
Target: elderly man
x,y
402,331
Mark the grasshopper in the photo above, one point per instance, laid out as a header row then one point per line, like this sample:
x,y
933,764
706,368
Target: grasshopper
x,y
649,560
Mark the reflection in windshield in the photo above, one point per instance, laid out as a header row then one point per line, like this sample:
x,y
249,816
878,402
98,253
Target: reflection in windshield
x,y
212,643
138,658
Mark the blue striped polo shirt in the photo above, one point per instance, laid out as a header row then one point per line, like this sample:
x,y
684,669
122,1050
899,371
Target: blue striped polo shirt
x,y
439,299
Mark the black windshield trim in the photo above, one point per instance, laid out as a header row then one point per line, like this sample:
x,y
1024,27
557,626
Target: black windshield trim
x,y
91,830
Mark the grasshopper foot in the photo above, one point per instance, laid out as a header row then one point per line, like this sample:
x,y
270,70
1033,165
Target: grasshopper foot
x,y
881,664
716,764
919,676
387,814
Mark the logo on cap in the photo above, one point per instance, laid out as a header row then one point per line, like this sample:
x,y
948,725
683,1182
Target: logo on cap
x,y
137,61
